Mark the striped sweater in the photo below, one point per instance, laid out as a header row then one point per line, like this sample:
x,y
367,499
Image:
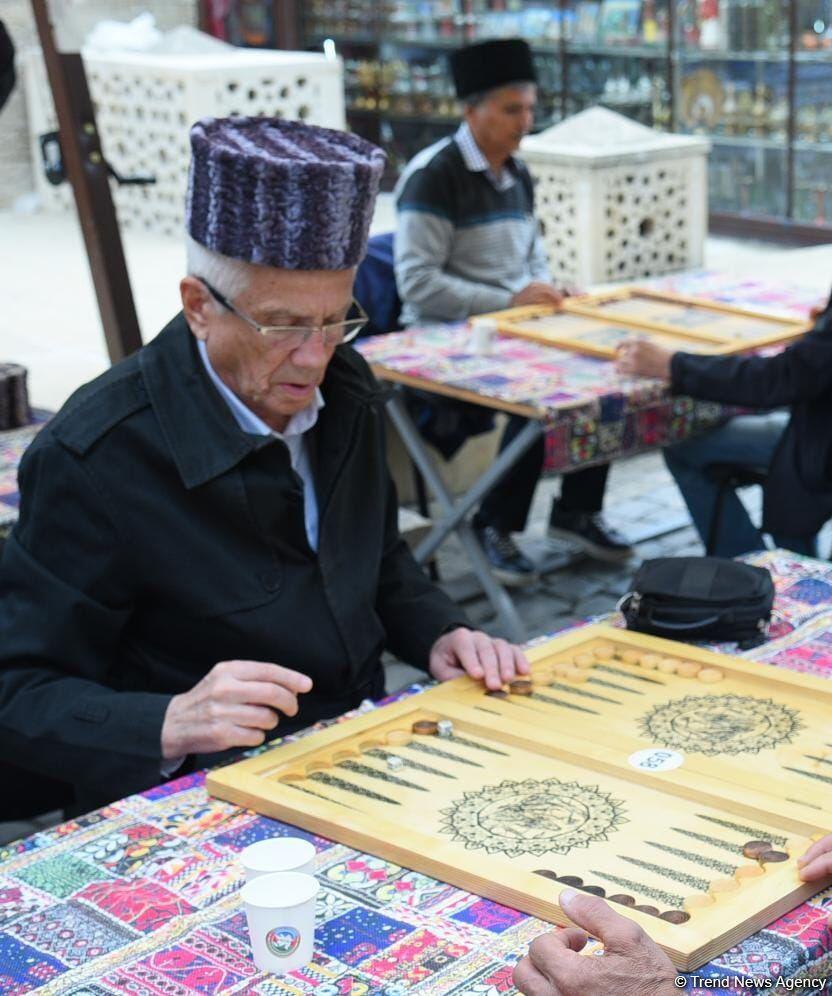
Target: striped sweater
x,y
467,240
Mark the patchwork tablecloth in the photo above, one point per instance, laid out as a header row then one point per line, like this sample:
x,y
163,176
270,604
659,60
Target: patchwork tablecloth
x,y
142,897
592,414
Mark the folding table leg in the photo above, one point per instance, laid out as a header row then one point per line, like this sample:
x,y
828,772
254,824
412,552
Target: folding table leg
x,y
453,518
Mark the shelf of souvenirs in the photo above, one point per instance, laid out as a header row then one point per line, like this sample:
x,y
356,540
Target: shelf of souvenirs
x,y
763,142
824,56
711,55
391,115
612,50
370,107
802,145
386,40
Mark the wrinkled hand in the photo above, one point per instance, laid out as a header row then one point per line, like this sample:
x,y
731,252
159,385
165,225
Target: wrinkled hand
x,y
631,962
466,651
816,863
234,705
537,292
641,358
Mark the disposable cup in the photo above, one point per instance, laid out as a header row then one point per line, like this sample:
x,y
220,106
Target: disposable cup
x,y
483,334
278,854
280,909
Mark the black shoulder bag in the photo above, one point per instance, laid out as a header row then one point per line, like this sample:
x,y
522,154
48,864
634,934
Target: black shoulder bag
x,y
700,598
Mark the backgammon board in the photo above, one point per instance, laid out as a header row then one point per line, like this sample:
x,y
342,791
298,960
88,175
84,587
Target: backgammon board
x,y
679,783
597,324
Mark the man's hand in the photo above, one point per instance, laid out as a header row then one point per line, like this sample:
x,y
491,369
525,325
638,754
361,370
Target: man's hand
x,y
631,962
234,705
537,293
641,358
466,651
816,863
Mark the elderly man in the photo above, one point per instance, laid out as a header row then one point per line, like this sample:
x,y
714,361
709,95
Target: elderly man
x,y
468,242
631,963
207,547
794,448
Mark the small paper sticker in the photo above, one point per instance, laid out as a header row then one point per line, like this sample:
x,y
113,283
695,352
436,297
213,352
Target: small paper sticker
x,y
656,759
282,941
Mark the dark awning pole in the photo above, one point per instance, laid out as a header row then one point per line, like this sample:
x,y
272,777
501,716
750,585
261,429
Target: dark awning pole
x,y
87,172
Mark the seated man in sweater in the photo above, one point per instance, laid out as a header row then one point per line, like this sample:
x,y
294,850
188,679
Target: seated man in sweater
x,y
795,447
208,548
468,242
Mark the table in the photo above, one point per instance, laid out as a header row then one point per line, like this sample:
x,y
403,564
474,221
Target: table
x,y
587,412
142,896
13,444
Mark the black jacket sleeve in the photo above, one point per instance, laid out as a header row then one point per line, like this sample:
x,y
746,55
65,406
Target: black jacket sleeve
x,y
65,601
415,612
801,372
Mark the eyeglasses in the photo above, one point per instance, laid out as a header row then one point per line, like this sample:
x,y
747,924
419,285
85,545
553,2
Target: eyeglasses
x,y
293,336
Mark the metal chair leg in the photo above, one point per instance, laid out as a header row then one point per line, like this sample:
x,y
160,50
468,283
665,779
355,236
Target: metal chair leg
x,y
424,509
713,531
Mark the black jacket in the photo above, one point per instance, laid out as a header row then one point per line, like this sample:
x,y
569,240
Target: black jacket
x,y
156,538
798,492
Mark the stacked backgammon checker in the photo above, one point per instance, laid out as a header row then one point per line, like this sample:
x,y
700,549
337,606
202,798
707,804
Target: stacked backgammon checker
x,y
14,398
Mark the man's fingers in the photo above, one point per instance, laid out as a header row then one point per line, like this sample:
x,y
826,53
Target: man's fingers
x,y
263,693
819,847
252,717
505,660
245,736
546,947
487,654
599,919
521,663
264,671
530,982
464,647
818,867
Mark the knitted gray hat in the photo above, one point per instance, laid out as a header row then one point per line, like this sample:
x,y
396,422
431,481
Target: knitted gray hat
x,y
281,193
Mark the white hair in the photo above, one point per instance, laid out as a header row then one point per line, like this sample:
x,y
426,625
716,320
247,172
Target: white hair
x,y
229,276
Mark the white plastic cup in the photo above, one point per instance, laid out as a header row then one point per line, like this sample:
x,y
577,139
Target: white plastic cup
x,y
483,334
280,910
278,854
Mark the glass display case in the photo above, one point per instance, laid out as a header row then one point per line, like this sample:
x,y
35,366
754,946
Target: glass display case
x,y
754,76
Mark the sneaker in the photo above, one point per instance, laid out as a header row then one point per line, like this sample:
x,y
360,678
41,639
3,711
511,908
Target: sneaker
x,y
589,531
508,564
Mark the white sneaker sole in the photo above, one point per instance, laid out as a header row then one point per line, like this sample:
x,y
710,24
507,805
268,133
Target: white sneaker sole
x,y
595,551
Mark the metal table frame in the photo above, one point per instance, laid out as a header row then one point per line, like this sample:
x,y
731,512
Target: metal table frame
x,y
454,512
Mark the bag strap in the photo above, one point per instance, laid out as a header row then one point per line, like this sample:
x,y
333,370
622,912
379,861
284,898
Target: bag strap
x,y
681,627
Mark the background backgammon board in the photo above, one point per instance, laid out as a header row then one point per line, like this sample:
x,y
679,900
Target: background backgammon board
x,y
596,324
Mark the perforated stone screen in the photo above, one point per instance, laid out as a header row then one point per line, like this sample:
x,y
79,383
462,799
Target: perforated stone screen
x,y
145,105
616,200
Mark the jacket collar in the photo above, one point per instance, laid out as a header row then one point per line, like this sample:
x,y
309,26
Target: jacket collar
x,y
196,423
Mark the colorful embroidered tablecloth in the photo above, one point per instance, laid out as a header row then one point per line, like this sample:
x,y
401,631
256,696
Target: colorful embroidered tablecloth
x,y
142,897
13,444
592,414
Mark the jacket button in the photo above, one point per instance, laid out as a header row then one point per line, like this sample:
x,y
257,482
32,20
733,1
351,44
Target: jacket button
x,y
270,580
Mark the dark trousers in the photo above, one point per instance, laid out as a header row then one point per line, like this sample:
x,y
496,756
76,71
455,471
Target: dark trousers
x,y
506,506
24,795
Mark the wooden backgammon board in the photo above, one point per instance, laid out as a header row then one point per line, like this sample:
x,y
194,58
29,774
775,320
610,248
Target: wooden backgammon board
x,y
596,324
679,783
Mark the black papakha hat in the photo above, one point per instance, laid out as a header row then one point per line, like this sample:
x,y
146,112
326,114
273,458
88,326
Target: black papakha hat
x,y
490,64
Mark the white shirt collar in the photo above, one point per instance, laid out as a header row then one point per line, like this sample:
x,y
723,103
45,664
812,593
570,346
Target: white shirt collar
x,y
250,422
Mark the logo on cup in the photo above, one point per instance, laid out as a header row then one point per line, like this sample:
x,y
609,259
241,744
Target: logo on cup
x,y
282,941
